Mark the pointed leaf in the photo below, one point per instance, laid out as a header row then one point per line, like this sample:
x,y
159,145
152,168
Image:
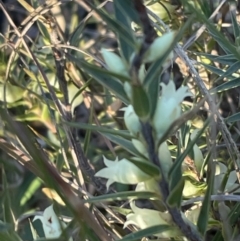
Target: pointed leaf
x,y
204,213
126,144
124,11
123,196
140,102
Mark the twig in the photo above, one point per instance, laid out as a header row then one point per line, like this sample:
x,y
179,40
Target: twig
x,y
149,36
231,145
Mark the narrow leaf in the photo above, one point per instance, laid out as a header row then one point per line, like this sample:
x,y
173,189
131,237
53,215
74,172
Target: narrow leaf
x,y
126,144
204,213
123,11
140,102
226,86
122,196
146,232
233,118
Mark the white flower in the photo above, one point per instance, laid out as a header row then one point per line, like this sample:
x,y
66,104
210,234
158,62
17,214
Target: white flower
x,y
150,185
114,63
52,227
122,171
168,107
159,47
131,120
146,218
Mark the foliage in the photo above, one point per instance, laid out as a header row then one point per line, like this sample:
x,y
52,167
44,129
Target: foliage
x,y
150,84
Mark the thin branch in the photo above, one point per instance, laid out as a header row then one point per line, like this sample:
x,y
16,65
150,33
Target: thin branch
x,y
149,36
186,229
231,145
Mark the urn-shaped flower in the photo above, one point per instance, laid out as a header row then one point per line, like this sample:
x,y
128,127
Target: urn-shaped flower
x,y
159,47
114,63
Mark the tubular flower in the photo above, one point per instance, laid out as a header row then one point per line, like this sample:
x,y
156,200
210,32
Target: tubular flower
x,y
168,107
52,227
122,171
146,218
159,47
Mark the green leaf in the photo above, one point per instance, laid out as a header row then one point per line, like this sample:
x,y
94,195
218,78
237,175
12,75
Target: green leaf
x,y
234,214
206,204
126,144
153,95
6,205
217,35
74,38
233,68
175,173
140,102
213,69
117,27
233,118
7,237
104,77
224,212
119,196
175,196
226,86
124,10
10,93
236,29
146,167
5,226
33,187
146,232
223,59
100,129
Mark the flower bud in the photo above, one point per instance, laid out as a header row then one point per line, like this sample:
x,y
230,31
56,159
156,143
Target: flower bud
x,y
159,47
131,120
114,63
122,171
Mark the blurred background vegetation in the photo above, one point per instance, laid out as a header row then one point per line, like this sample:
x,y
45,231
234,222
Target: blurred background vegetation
x,y
60,113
